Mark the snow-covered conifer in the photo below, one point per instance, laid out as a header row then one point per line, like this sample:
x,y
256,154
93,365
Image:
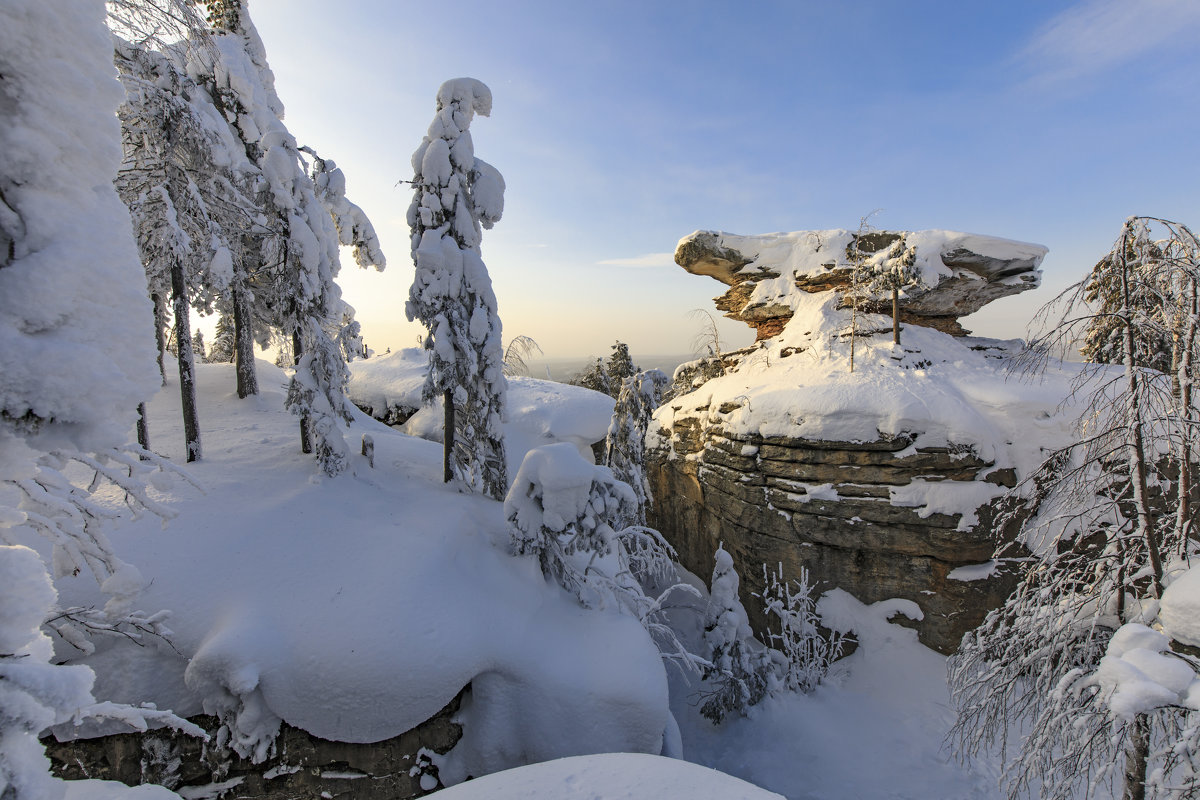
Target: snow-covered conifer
x,y
620,364
76,351
740,672
568,513
891,272
221,349
292,250
625,446
456,196
576,518
34,693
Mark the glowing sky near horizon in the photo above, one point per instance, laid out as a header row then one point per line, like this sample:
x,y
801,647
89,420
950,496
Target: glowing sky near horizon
x,y
621,127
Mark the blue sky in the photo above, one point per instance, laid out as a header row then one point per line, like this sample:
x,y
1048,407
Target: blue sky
x,y
622,126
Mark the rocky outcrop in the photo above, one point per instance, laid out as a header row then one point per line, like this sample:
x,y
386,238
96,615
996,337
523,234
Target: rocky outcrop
x,y
303,765
962,272
826,506
877,467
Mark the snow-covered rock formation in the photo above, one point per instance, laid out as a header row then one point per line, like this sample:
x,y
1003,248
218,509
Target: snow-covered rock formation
x,y
961,272
881,477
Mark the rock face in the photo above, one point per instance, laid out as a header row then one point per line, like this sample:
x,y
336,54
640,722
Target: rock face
x,y
303,765
755,494
876,467
962,272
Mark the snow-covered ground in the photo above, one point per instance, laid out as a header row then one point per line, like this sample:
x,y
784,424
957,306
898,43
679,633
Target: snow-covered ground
x,y
301,597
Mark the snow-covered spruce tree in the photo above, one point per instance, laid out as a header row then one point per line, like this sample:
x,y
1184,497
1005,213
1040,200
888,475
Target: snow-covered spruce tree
x,y
455,197
34,693
620,364
76,356
625,445
891,272
184,180
740,672
221,349
1108,515
608,376
290,257
576,518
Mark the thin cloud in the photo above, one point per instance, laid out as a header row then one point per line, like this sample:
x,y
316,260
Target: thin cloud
x,y
647,260
1097,35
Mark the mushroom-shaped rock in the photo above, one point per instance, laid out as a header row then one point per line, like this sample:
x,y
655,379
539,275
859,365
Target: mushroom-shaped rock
x,y
960,272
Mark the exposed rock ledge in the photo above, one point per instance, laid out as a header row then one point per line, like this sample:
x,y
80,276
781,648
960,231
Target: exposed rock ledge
x,y
826,506
962,272
877,467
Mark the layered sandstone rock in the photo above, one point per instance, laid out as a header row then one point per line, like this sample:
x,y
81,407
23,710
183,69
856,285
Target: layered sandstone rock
x,y
882,480
962,271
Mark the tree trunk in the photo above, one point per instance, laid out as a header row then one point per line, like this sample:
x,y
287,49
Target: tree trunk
x,y
305,432
143,430
895,315
187,366
1136,443
243,344
448,437
1183,379
1136,754
160,337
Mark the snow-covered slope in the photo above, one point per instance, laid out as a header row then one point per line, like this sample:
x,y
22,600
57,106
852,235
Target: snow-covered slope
x,y
357,607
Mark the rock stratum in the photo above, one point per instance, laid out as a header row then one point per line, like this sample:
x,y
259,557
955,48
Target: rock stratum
x,y
882,479
962,272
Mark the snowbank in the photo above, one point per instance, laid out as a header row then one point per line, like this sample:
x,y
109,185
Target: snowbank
x,y
1140,673
538,412
357,607
613,776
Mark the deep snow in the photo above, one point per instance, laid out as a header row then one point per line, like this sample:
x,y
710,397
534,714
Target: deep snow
x,y
356,606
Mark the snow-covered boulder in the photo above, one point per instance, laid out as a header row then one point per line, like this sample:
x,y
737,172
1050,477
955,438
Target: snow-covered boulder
x,y
960,272
881,479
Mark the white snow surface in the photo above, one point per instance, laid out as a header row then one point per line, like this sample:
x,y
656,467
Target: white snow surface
x,y
538,412
357,607
934,387
874,729
611,776
1179,611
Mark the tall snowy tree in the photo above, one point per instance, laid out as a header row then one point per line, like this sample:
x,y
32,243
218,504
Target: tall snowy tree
x,y
1106,517
625,445
76,357
284,281
456,196
185,180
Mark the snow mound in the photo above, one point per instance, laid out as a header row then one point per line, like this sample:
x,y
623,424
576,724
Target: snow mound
x,y
538,412
356,608
1139,673
612,776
